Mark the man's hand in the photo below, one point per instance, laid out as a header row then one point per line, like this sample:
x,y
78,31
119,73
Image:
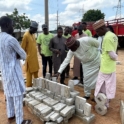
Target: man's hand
x,y
18,56
57,51
56,75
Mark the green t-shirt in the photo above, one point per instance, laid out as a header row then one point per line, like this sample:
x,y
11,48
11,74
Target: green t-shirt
x,y
66,36
88,32
44,41
110,42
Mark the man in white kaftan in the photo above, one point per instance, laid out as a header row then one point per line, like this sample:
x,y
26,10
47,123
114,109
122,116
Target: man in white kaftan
x,y
86,50
13,82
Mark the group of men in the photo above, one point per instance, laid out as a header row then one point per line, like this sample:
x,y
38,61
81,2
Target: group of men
x,y
98,68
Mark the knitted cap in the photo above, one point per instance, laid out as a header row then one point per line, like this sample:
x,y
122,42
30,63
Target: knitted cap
x,y
70,41
34,24
98,24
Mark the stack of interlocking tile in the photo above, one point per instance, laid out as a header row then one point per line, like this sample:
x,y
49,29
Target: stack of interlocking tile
x,y
53,102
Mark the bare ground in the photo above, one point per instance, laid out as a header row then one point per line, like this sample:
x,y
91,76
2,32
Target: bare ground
x,y
113,115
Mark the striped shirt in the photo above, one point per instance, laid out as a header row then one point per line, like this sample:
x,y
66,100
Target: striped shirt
x,y
12,77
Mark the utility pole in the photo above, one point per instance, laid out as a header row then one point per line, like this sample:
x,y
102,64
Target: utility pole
x,y
118,12
57,19
46,13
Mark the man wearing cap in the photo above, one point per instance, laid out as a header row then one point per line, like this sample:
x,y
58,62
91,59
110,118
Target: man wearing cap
x,y
43,41
85,30
30,47
106,82
86,50
59,49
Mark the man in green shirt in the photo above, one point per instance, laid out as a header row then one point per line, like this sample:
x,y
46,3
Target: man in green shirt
x,y
43,41
106,81
85,30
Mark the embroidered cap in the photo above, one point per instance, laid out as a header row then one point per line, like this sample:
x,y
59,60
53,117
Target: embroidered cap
x,y
98,24
70,41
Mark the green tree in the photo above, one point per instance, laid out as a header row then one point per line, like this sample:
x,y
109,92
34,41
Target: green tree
x,y
20,21
93,15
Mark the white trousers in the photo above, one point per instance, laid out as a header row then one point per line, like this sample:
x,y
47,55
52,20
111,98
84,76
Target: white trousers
x,y
15,107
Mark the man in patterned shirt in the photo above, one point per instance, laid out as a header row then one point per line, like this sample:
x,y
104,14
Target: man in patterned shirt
x,y
13,82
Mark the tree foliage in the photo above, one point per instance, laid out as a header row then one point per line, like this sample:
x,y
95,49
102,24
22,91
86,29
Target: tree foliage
x,y
93,15
20,21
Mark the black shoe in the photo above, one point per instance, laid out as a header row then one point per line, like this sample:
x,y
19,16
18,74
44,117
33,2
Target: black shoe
x,y
86,97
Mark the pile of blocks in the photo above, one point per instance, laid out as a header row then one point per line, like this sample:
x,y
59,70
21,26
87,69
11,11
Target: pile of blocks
x,y
55,103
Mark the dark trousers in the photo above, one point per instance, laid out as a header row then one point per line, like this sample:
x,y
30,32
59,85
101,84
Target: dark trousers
x,y
44,64
62,77
81,73
67,69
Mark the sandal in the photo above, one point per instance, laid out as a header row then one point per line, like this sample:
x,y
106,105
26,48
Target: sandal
x,y
27,122
11,119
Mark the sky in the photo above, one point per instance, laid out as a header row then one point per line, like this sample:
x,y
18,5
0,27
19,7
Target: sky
x,y
69,11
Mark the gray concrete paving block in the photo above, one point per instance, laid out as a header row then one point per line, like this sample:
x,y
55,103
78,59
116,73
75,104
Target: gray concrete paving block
x,y
47,84
32,92
40,99
101,99
101,109
67,110
89,120
54,117
79,113
80,102
50,94
49,101
39,95
68,117
35,94
50,123
65,91
43,83
70,101
33,103
29,89
27,100
57,98
46,111
74,94
27,96
40,107
77,102
47,76
83,103
52,86
58,89
35,88
87,109
58,107
71,85
122,111
54,79
59,120
47,118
